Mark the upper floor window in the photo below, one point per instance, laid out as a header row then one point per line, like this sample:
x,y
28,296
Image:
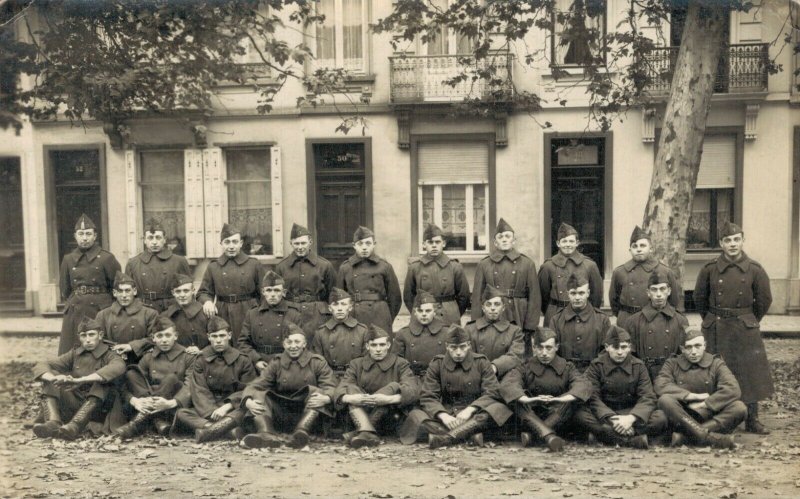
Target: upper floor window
x,y
579,28
342,39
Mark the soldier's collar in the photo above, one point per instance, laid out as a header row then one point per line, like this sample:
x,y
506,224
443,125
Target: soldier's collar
x,y
282,306
350,322
303,360
705,361
172,353
230,354
501,324
558,364
743,263
384,364
648,265
355,259
90,254
416,328
134,308
192,309
651,312
310,257
442,260
98,351
511,254
561,260
570,313
240,258
466,365
163,255
609,365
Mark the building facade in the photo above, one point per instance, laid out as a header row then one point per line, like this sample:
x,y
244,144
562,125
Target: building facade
x,y
415,161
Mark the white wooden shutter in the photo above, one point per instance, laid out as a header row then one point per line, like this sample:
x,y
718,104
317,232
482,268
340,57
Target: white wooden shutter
x,y
748,29
277,200
453,162
195,208
718,164
132,202
215,198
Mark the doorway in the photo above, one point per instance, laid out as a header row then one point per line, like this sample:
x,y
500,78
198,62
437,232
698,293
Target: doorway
x,y
12,245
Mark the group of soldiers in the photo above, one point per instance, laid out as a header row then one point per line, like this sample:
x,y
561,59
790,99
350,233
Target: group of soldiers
x,y
269,357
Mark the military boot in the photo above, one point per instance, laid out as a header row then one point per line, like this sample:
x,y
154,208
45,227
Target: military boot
x,y
365,434
377,415
678,439
134,427
51,417
299,438
544,432
752,424
215,430
716,439
162,425
73,429
702,436
265,435
460,432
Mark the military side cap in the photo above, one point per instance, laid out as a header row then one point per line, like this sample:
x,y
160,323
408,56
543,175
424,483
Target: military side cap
x,y
374,332
490,292
576,280
639,233
298,231
153,226
729,229
456,335
691,333
431,231
565,230
658,277
84,222
294,329
271,279
362,233
162,324
502,226
217,323
616,335
338,294
180,280
228,230
422,298
542,334
122,278
88,324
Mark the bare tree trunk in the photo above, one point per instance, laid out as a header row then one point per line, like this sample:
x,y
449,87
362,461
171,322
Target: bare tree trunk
x,y
680,144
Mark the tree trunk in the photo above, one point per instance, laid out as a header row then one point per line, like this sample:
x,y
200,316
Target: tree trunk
x,y
680,144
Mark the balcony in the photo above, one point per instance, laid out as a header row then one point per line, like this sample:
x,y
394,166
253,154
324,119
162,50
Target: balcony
x,y
743,69
421,78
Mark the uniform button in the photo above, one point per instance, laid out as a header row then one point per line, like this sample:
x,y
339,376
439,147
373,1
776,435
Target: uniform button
x,y
440,342
649,348
578,338
666,330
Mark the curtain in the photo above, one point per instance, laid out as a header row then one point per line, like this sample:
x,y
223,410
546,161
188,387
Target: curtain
x,y
163,197
250,198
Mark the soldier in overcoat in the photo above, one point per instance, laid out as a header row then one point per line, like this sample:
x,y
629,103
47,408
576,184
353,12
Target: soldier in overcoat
x,y
423,338
502,342
187,314
342,338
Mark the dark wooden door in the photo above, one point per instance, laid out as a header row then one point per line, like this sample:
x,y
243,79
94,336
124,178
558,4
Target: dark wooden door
x,y
12,244
577,193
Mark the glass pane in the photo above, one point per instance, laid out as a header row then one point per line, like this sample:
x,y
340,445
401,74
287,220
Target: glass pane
x,y
454,216
724,208
163,194
479,217
326,35
161,166
465,44
250,203
247,164
699,233
352,35
427,206
339,156
78,166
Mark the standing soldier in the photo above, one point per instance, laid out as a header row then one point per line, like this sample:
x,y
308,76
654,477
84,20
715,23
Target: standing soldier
x,y
190,323
657,329
556,270
371,281
514,274
308,278
628,292
266,326
154,269
342,338
732,294
440,275
580,327
127,322
493,336
231,282
86,278
422,339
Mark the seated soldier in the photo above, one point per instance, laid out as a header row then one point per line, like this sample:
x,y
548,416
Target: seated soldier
x,y
290,394
460,394
159,383
657,329
341,339
266,325
77,384
622,409
190,323
219,375
700,395
493,336
545,391
421,341
127,322
381,383
580,327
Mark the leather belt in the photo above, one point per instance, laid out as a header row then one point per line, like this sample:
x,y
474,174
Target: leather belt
x,y
513,293
559,303
235,298
580,362
304,298
269,349
630,309
153,296
654,361
357,297
727,313
445,298
89,290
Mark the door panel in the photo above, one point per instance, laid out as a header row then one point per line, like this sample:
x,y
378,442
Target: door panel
x,y
340,210
12,245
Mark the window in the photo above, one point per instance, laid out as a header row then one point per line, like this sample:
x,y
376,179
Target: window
x,y
453,192
447,42
163,198
715,192
342,39
579,28
250,197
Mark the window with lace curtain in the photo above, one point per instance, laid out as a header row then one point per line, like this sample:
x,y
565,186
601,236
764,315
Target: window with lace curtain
x,y
162,190
576,42
342,39
250,197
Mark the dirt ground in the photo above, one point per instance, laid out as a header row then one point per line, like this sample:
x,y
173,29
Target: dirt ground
x,y
149,467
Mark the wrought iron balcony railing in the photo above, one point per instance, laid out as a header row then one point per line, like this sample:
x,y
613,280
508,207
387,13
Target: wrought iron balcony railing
x,y
743,68
421,78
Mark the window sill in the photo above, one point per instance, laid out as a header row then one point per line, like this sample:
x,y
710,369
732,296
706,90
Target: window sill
x,y
468,258
573,73
701,254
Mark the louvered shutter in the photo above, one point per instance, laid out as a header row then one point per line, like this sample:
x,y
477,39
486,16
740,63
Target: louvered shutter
x,y
277,200
132,202
718,164
453,162
215,198
195,208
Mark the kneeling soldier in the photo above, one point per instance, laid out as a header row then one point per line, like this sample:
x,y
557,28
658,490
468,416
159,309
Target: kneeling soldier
x,y
291,393
341,339
381,383
493,336
219,375
159,383
545,390
700,395
622,409
77,383
422,339
460,394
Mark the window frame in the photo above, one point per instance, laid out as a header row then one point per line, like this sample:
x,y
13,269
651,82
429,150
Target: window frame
x,y
417,225
338,27
554,38
140,208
